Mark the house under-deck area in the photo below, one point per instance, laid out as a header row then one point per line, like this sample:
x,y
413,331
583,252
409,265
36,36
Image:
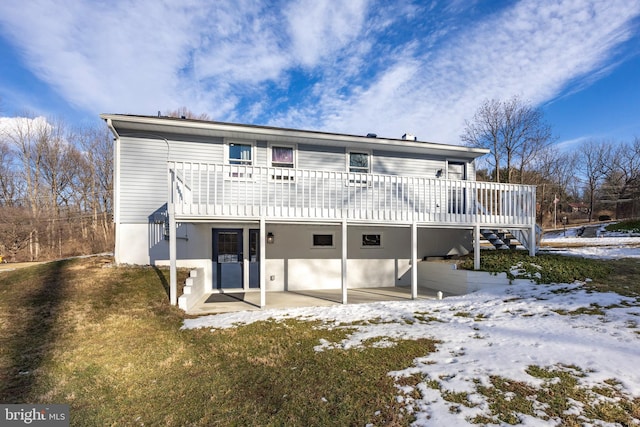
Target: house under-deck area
x,y
322,238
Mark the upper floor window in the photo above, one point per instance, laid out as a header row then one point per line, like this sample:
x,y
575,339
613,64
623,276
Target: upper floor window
x,y
240,154
359,162
282,157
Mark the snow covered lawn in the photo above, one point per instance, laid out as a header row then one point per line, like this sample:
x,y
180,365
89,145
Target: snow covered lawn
x,y
502,333
607,244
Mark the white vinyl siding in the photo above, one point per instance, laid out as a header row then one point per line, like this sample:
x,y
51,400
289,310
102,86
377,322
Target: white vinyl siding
x,y
406,164
317,157
143,166
143,172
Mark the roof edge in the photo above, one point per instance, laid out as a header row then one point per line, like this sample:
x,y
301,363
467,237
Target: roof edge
x,y
274,131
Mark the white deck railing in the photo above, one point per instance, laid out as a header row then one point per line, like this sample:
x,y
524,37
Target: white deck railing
x,y
205,190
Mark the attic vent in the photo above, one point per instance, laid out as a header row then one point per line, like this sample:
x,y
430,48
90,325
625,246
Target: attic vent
x,y
409,137
372,135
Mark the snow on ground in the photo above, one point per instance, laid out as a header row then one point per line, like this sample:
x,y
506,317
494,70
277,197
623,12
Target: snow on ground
x,y
500,331
607,245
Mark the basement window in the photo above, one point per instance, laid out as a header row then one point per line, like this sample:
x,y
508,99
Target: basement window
x,y
323,241
371,241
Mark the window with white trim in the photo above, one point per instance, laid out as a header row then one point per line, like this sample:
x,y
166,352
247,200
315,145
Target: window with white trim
x,y
240,154
359,162
282,156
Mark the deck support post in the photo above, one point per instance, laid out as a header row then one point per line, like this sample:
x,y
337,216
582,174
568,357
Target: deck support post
x,y
173,271
171,214
344,261
476,247
262,256
414,260
532,240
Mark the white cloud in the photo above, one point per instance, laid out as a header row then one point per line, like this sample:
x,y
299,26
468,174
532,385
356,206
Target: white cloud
x,y
320,27
14,125
372,67
531,50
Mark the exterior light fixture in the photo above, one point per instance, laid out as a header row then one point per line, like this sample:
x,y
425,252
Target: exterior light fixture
x,y
270,237
439,173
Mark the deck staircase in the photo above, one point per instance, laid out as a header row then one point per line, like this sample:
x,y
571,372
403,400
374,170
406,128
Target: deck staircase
x,y
501,239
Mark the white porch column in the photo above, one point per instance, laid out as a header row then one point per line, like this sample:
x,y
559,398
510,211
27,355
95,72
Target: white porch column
x,y
532,234
476,247
414,260
532,240
171,212
173,273
261,260
344,261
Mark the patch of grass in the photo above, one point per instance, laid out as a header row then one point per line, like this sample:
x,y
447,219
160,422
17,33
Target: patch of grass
x,y
462,314
624,278
507,399
556,398
631,226
106,342
593,310
425,317
543,268
621,276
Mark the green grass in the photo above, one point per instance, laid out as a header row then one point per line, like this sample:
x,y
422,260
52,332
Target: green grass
x,y
555,399
106,342
621,276
631,226
543,268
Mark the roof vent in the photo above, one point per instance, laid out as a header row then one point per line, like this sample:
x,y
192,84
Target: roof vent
x,y
409,137
372,135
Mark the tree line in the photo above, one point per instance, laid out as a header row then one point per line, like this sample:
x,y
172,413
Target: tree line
x,y
56,188
595,179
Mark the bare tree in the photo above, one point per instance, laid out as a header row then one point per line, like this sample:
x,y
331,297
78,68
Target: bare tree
x,y
95,183
184,112
8,180
513,130
594,156
622,181
27,137
553,172
484,132
59,169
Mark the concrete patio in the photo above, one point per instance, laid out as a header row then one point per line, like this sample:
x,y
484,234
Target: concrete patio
x,y
217,303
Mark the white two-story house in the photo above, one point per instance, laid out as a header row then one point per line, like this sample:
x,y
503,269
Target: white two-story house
x,y
261,209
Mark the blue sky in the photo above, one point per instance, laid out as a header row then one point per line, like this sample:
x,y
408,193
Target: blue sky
x,y
356,66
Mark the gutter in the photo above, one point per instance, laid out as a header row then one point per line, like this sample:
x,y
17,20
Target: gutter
x,y
296,134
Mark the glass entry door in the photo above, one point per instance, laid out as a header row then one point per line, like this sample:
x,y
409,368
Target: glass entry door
x,y
228,258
